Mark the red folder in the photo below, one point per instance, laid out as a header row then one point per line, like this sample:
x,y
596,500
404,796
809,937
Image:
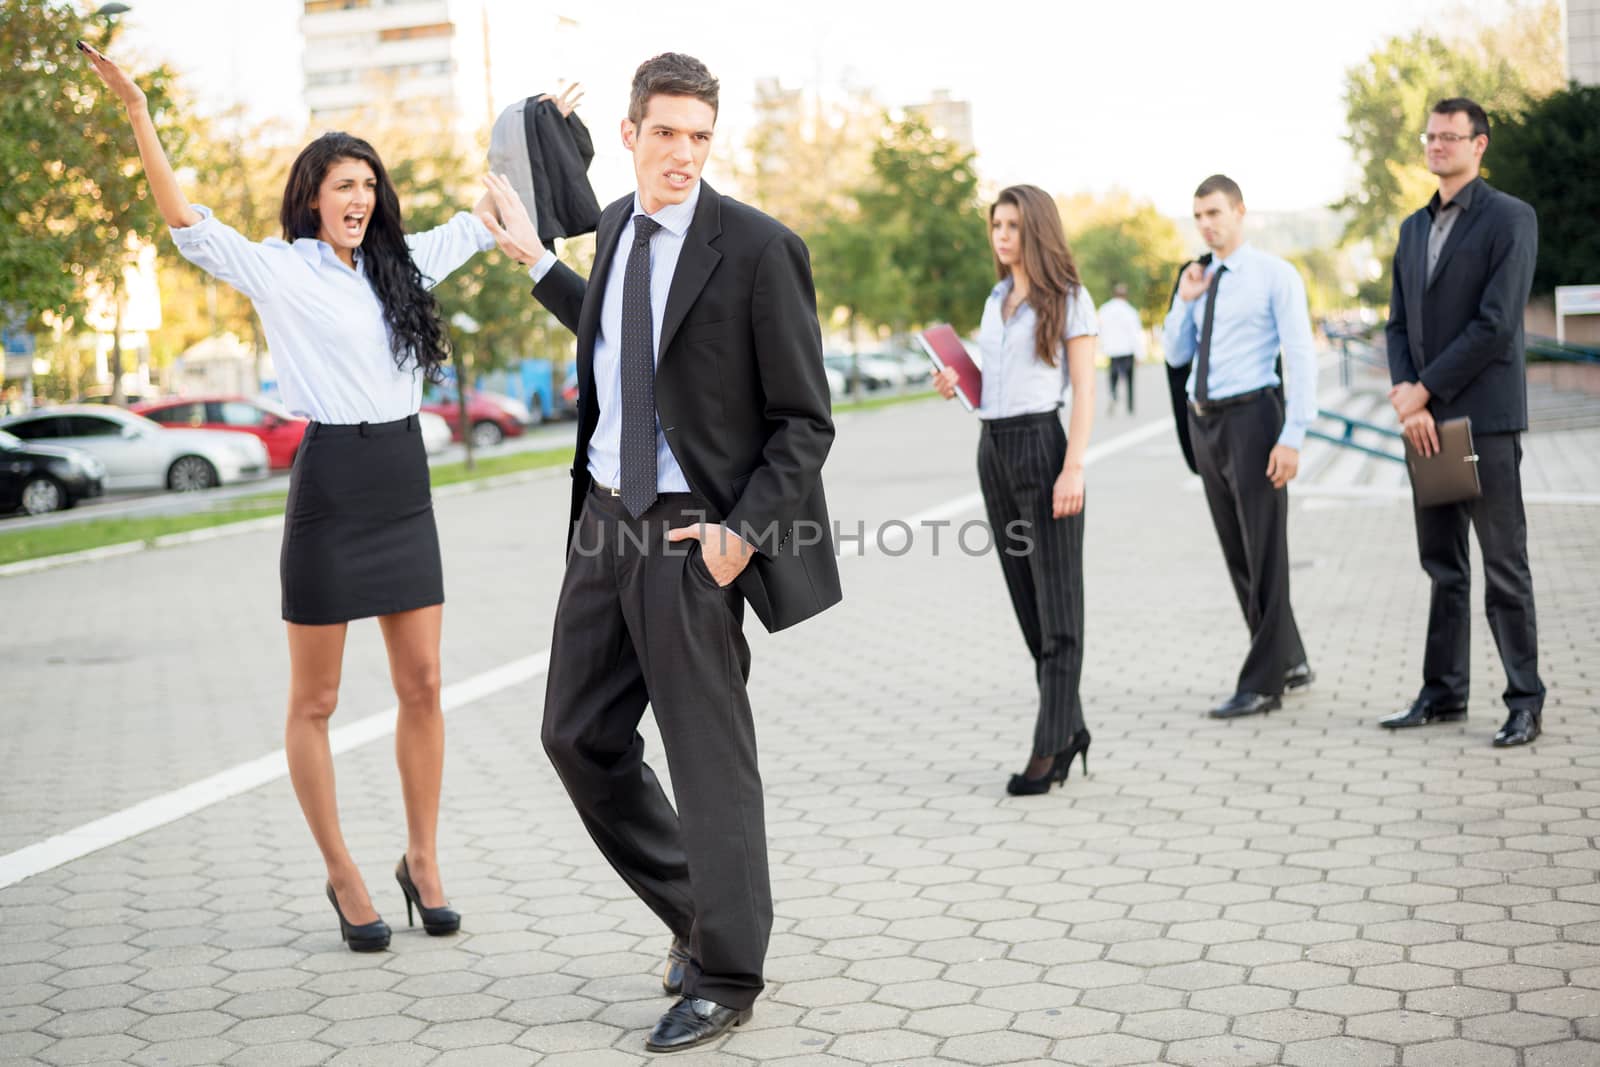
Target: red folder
x,y
945,349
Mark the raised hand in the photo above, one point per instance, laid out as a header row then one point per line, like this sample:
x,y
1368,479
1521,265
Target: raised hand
x,y
115,78
502,212
567,101
1192,286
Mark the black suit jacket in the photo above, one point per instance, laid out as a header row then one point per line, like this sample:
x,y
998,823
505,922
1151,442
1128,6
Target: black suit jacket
x,y
1460,333
740,391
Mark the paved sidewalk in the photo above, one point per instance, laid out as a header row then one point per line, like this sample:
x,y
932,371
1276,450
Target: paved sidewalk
x,y
1302,888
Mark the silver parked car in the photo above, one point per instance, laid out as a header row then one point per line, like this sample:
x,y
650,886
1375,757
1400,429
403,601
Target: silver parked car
x,y
141,454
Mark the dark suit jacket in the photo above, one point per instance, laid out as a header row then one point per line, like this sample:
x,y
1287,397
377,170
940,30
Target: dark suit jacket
x,y
1460,334
559,151
740,392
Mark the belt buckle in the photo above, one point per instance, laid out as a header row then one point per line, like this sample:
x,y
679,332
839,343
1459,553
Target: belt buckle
x,y
606,489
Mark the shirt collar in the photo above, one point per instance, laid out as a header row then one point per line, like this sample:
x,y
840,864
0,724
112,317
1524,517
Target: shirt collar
x,y
1462,199
674,217
316,252
1235,261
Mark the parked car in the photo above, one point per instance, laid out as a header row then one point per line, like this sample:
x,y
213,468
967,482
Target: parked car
x,y
916,366
138,453
105,398
435,432
837,382
876,372
491,416
41,478
279,429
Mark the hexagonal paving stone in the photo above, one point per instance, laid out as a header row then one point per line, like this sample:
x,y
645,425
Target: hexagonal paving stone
x,y
1458,1053
1339,1052
1222,1051
1286,1025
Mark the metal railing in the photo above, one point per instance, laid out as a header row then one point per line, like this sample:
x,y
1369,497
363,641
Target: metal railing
x,y
1548,348
1346,438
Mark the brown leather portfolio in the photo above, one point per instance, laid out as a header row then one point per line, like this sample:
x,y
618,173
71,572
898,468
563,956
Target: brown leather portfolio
x,y
1450,475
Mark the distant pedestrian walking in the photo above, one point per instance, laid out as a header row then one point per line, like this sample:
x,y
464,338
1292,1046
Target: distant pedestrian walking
x,y
1122,340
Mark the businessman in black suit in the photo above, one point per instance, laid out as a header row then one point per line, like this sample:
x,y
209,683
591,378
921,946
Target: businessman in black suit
x,y
704,420
1462,273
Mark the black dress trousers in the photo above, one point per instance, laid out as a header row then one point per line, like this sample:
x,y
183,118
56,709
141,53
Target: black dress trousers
x,y
1231,448
1502,529
1041,557
641,621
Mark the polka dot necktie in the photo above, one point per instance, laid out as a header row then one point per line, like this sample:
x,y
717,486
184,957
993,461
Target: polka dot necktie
x,y
638,374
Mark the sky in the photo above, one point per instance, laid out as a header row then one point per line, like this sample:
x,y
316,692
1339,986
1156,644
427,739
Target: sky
x,y
1146,96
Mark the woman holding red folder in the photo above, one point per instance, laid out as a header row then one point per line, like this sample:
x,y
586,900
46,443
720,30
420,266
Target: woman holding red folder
x,y
1036,338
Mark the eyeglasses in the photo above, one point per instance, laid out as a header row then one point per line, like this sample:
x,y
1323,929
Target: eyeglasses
x,y
1447,138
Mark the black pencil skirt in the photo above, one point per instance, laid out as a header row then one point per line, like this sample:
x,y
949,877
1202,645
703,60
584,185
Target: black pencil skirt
x,y
358,533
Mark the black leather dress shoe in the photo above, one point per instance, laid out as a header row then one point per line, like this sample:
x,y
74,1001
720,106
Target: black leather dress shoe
x,y
693,1021
677,964
1243,703
1521,727
1421,713
1299,677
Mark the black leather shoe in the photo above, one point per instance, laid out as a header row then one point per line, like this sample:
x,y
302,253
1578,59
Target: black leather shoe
x,y
677,964
1421,713
1298,677
693,1021
1243,703
1521,727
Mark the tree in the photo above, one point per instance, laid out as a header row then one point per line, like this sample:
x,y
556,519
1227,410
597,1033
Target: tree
x,y
1119,239
1388,97
921,206
805,155
1550,157
73,202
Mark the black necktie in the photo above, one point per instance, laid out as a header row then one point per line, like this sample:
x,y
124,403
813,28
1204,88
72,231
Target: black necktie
x,y
638,374
1202,370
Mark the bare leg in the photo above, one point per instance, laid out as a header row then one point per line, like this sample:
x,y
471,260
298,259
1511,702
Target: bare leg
x,y
316,655
412,638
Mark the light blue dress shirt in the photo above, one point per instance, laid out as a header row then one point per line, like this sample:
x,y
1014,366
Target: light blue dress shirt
x,y
324,324
1261,310
605,447
1015,380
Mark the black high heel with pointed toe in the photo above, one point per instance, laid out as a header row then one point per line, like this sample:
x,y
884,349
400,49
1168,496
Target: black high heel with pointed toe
x,y
436,921
368,937
1060,765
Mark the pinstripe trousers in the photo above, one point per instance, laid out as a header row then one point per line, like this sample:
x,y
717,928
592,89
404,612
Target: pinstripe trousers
x,y
1019,460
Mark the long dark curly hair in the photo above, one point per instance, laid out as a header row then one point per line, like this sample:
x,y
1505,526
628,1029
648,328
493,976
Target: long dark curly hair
x,y
409,309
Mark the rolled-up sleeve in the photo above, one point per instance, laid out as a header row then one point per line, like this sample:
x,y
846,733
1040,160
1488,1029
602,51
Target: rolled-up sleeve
x,y
439,251
225,254
1290,311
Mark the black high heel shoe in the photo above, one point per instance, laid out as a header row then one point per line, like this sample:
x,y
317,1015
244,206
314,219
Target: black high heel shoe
x,y
437,921
1060,765
368,937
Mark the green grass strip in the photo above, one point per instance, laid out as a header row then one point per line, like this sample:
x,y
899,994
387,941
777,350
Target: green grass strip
x,y
873,403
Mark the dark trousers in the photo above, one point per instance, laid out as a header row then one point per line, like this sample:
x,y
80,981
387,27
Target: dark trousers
x,y
1231,446
641,621
1042,559
1508,598
1122,367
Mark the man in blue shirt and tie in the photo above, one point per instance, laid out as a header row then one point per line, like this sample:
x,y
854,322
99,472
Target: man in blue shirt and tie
x,y
1230,319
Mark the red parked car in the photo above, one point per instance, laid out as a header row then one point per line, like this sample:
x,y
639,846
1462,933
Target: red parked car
x,y
492,417
279,431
